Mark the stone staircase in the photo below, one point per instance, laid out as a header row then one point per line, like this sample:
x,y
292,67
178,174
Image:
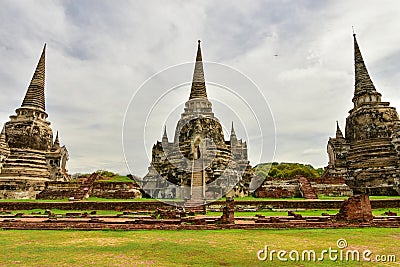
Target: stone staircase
x,y
197,196
84,189
60,190
306,189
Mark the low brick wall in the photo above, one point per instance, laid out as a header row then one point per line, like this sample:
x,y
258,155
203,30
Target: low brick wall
x,y
173,225
83,205
153,205
115,190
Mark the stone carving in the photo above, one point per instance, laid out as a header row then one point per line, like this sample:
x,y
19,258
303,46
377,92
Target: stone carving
x,y
368,155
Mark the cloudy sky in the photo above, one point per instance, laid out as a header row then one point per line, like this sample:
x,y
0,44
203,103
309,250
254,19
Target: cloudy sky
x,y
299,54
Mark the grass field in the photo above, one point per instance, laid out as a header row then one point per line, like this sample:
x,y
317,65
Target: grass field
x,y
187,248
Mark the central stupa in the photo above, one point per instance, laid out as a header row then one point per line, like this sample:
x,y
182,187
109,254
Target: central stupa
x,y
198,164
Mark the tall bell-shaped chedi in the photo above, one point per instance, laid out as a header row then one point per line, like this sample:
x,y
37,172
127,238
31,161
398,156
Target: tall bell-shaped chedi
x,y
29,157
198,164
368,156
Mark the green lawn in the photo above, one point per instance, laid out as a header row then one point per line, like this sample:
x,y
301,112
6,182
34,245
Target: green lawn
x,y
187,248
117,178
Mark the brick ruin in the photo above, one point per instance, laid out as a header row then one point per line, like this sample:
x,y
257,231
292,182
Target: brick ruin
x,y
355,208
228,212
93,186
368,155
29,154
296,187
198,164
355,212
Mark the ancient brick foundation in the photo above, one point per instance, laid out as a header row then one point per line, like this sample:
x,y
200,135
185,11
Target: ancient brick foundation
x,y
186,223
20,188
90,187
290,187
115,190
278,188
240,205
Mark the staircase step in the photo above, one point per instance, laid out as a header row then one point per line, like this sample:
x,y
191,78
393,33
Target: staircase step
x,y
306,188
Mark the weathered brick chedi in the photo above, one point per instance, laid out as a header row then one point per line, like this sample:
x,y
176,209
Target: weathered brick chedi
x,y
368,155
198,164
29,154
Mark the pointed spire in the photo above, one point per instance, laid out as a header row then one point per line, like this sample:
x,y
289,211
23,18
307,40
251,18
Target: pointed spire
x,y
339,133
56,144
198,89
165,136
35,94
233,134
232,130
363,83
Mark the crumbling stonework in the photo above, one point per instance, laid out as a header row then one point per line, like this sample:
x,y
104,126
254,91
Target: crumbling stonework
x,y
28,155
291,187
90,187
356,208
116,190
228,212
333,186
369,153
198,164
306,189
278,188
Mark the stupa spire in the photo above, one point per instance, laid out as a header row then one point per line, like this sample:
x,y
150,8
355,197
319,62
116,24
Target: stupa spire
x,y
56,144
233,134
34,96
198,89
363,83
339,133
165,136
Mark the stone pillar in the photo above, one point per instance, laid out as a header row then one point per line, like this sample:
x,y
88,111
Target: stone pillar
x,y
355,208
228,213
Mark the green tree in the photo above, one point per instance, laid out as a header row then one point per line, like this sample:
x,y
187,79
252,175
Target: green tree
x,y
286,169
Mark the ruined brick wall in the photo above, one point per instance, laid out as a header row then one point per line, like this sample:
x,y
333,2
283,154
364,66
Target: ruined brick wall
x,y
288,187
153,205
20,188
115,190
328,180
330,186
58,190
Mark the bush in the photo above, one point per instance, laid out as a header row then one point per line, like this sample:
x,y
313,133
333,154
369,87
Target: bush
x,y
284,169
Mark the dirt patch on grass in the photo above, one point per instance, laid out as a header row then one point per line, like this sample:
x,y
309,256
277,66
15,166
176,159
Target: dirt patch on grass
x,y
100,241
